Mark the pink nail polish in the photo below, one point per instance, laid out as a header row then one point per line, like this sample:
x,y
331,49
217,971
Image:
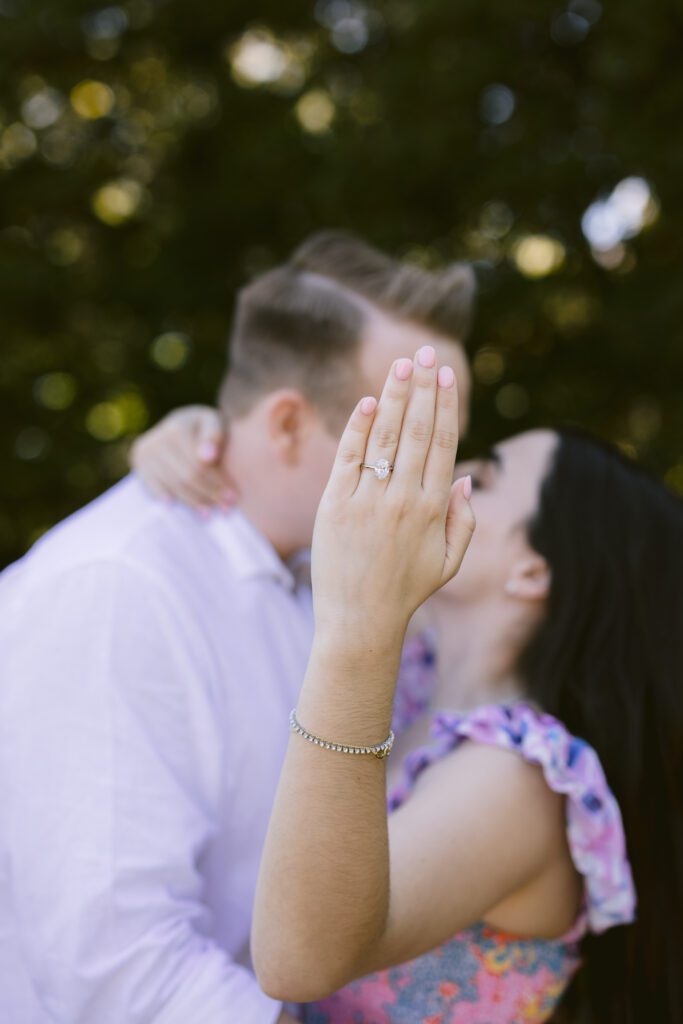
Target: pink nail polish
x,y
467,487
446,377
208,451
368,406
404,368
426,357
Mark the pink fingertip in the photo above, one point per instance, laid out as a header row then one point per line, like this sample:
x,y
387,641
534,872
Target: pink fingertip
x,y
368,406
404,368
426,356
467,487
446,377
208,451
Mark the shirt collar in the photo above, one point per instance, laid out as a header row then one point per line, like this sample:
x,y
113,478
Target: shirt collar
x,y
250,554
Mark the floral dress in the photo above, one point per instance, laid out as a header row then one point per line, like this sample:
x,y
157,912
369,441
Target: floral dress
x,y
483,975
416,680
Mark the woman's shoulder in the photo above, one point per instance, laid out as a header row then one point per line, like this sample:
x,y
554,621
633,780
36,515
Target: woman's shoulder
x,y
553,768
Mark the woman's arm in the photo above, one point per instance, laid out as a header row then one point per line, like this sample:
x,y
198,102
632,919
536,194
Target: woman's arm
x,y
339,894
181,458
380,549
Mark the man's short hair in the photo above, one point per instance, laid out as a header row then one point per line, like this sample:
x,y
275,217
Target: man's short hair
x,y
441,300
296,329
300,325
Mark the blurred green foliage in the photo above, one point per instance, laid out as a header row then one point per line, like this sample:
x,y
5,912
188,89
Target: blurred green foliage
x,y
154,153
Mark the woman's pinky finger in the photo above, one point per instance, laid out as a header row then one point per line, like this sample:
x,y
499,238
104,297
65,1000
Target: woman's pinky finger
x,y
351,451
460,525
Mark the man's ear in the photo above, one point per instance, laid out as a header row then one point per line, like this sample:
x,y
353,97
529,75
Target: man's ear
x,y
290,417
529,579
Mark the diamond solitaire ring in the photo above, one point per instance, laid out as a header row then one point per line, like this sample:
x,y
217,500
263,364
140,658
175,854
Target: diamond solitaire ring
x,y
382,468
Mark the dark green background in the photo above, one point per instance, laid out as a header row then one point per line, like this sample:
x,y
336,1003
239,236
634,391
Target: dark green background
x,y
228,181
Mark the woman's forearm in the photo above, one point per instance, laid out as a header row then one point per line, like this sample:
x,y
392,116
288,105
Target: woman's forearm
x,y
323,892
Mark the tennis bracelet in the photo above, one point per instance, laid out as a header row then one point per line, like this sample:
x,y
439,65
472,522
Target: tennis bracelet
x,y
379,750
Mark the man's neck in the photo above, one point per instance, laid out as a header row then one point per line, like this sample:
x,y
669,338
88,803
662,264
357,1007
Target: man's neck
x,y
262,523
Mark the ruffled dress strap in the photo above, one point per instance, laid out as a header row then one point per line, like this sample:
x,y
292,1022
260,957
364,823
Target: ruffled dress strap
x,y
571,767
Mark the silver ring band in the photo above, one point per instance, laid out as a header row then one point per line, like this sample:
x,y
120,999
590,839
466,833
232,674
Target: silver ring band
x,y
381,468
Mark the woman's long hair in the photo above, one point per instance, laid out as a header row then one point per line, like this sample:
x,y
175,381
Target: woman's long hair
x,y
608,662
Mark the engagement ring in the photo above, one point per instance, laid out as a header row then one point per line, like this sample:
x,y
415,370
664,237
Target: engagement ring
x,y
382,468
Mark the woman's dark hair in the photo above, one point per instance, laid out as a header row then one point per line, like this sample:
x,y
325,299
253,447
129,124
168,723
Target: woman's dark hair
x,y
608,662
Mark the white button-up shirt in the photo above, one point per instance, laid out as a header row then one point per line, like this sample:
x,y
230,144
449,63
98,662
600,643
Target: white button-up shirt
x,y
148,663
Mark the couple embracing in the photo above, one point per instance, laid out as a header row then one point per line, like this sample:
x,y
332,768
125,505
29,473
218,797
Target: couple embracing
x,y
152,658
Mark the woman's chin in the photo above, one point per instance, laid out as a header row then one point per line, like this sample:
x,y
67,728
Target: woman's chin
x,y
456,591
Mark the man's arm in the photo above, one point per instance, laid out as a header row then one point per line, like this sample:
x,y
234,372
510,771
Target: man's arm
x,y
114,770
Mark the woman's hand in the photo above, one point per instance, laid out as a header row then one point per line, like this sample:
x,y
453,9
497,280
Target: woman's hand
x,y
382,547
181,458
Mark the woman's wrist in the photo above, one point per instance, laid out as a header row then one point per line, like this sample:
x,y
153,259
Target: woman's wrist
x,y
349,639
348,690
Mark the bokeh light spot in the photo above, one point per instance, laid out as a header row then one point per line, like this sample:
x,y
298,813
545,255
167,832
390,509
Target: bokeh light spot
x,y
170,351
55,391
495,220
608,222
104,421
91,99
64,246
488,366
117,201
538,255
315,111
497,104
569,28
127,413
107,23
42,109
259,58
17,143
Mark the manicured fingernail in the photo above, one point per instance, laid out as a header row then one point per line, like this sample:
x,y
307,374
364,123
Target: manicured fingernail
x,y
426,356
467,487
368,406
404,368
446,377
208,451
